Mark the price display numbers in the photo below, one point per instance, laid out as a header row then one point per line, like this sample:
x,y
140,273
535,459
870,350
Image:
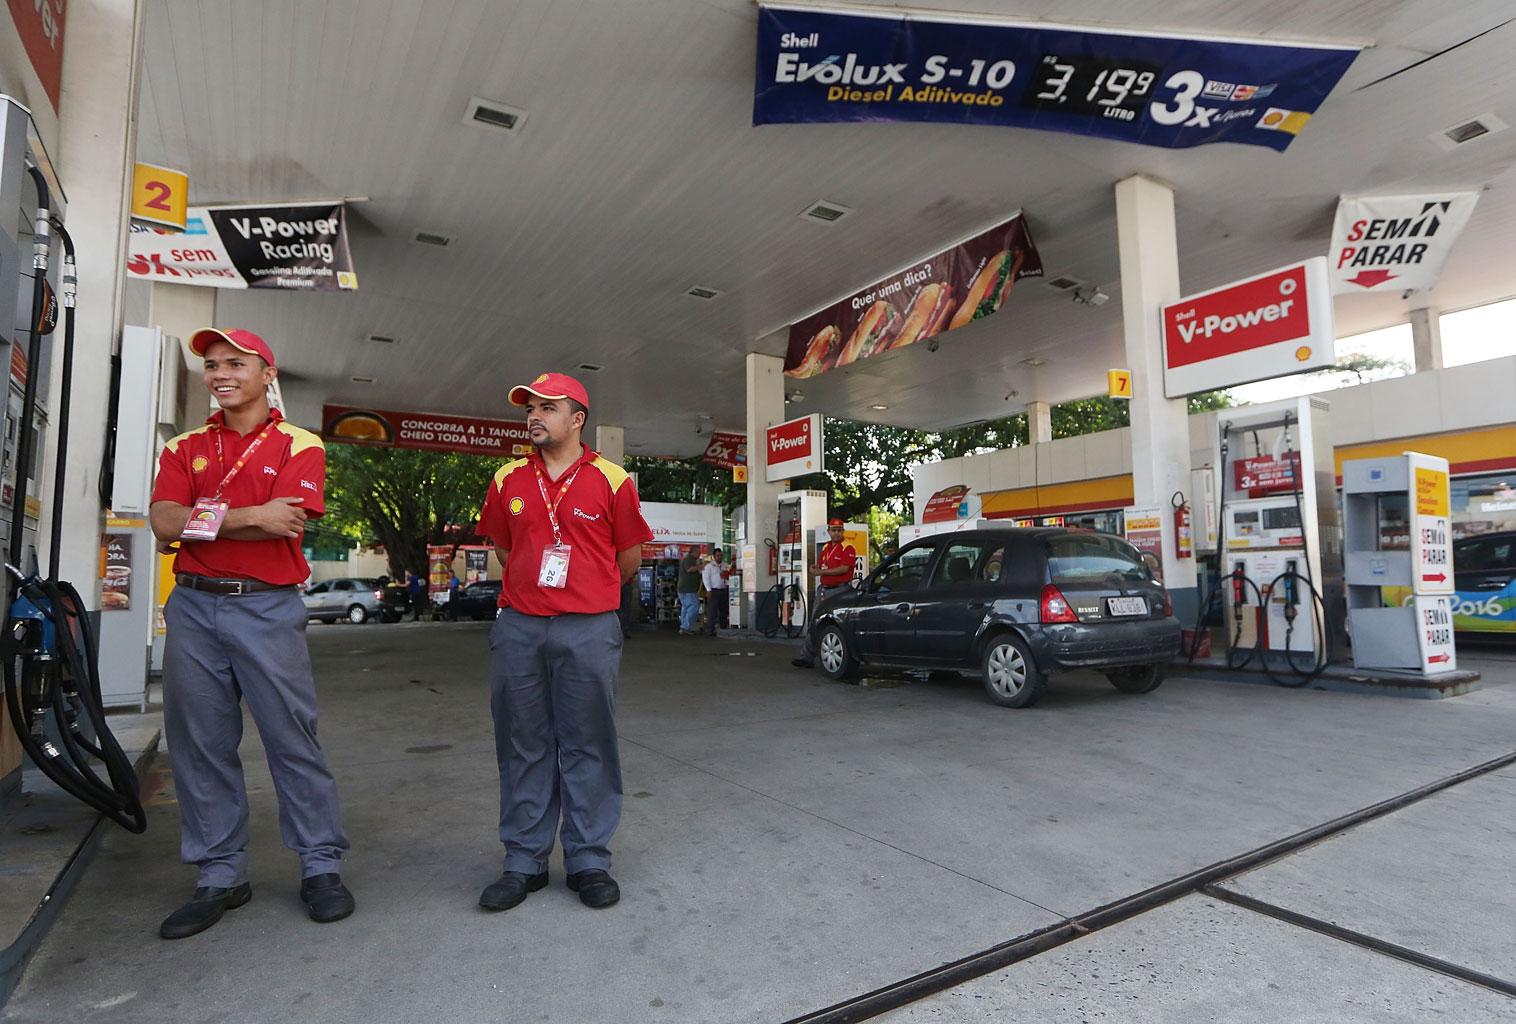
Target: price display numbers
x,y
1092,86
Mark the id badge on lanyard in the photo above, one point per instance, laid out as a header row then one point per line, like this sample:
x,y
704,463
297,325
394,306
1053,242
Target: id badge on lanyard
x,y
208,514
554,571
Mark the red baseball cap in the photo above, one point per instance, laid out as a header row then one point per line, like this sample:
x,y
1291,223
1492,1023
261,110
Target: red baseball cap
x,y
236,337
551,385
835,522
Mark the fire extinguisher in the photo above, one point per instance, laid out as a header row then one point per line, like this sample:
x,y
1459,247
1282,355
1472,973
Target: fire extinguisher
x,y
1184,533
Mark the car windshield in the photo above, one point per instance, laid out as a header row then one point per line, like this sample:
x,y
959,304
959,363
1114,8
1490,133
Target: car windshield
x,y
1093,557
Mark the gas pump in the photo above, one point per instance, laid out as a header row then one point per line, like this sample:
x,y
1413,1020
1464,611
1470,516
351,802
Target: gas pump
x,y
801,515
1280,538
48,642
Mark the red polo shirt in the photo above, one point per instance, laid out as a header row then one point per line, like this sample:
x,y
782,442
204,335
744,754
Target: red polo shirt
x,y
290,463
598,516
837,562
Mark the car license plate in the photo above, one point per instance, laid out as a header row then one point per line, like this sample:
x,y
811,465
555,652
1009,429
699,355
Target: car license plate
x,y
1129,606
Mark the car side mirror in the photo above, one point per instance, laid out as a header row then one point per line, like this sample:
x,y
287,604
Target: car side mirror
x,y
856,583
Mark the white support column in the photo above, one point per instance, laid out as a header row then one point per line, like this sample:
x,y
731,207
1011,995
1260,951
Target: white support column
x,y
1039,422
610,442
765,407
97,148
179,310
1426,338
1160,427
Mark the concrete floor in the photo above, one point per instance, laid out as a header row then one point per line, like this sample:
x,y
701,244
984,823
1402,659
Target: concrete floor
x,y
789,843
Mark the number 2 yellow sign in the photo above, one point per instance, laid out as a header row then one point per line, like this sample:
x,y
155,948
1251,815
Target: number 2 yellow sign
x,y
160,196
1119,383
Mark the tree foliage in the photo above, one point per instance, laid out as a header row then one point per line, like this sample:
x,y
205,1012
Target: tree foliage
x,y
404,499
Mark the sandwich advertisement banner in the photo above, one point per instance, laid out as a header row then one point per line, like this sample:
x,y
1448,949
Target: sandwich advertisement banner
x,y
294,248
954,288
1395,243
427,431
1144,87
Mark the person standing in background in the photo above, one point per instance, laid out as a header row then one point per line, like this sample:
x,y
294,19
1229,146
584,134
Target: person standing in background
x,y
689,593
714,578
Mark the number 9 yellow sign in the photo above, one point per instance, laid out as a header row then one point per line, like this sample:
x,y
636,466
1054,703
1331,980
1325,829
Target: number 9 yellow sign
x,y
160,196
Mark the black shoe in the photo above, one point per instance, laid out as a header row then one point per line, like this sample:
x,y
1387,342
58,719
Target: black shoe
x,y
596,888
510,889
203,910
326,899
803,662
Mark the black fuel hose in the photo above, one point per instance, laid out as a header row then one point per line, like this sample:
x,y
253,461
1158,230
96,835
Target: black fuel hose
x,y
1238,578
1321,642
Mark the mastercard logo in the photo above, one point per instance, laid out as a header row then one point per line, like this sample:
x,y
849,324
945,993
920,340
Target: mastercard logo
x,y
1303,353
199,464
516,506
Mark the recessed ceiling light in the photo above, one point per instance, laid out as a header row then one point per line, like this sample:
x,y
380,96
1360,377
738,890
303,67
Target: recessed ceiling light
x,y
1063,283
494,115
432,238
1034,361
590,367
362,380
1467,131
825,211
879,408
700,292
381,339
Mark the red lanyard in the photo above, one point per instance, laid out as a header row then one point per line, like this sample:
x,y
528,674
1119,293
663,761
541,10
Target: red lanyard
x,y
247,453
552,504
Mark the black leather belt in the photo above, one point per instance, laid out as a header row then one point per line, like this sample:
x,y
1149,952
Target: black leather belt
x,y
214,585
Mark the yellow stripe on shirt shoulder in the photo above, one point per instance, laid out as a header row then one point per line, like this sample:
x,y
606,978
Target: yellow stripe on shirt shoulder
x,y
506,470
175,442
300,438
614,474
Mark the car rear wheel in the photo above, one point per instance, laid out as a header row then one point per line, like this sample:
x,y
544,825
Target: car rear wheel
x,y
1011,678
832,652
1136,678
357,615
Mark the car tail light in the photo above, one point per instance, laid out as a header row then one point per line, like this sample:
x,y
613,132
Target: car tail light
x,y
379,595
1055,607
1168,604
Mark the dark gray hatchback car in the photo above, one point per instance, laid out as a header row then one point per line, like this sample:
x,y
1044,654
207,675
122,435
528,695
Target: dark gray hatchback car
x,y
1011,605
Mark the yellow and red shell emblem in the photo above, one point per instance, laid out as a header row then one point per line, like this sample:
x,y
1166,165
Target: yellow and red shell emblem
x,y
199,464
516,506
540,378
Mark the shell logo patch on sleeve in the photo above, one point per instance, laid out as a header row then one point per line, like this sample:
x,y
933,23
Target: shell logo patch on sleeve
x,y
199,464
516,506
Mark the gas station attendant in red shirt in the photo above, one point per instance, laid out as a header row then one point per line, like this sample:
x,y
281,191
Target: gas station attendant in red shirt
x,y
568,529
834,573
232,498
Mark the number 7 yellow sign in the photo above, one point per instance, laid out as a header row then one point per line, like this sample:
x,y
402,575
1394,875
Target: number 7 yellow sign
x,y
160,196
1119,383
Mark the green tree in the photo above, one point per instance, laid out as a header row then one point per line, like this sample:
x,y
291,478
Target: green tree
x,y
1358,368
1090,416
1206,401
404,499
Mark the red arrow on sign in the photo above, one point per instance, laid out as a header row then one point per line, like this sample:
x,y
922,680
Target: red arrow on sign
x,y
1370,278
1439,578
1440,658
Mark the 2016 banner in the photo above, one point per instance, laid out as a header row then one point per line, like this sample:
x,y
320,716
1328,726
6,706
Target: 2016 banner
x,y
436,432
1144,87
295,248
954,288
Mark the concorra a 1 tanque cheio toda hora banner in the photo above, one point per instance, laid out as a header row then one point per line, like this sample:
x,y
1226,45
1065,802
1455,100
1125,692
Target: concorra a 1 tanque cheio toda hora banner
x,y
1133,86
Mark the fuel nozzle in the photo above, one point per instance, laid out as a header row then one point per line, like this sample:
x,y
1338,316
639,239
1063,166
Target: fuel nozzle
x,y
1239,592
1291,591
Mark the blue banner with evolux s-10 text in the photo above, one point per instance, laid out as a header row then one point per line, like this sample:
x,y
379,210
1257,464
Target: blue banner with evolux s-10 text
x,y
1158,90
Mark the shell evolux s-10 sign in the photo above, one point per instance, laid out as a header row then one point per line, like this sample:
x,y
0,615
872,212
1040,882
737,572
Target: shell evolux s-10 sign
x,y
952,289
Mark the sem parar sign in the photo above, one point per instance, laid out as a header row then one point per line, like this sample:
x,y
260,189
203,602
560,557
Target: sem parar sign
x,y
1271,325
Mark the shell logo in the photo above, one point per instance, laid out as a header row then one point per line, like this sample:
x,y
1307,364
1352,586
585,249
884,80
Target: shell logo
x,y
540,378
199,464
1303,353
516,506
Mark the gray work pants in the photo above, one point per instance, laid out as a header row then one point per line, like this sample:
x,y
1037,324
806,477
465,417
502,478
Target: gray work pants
x,y
821,594
553,698
715,610
219,651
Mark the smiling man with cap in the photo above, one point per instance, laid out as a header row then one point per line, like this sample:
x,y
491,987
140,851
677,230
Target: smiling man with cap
x,y
234,495
568,530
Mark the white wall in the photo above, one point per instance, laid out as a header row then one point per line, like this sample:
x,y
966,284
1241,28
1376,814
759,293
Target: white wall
x,y
1465,397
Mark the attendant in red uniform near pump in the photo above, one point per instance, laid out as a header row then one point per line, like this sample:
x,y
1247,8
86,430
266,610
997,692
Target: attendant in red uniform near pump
x,y
568,529
235,495
834,573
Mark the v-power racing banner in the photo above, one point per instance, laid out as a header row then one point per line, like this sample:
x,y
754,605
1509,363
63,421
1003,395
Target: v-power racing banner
x,y
1133,86
293,248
